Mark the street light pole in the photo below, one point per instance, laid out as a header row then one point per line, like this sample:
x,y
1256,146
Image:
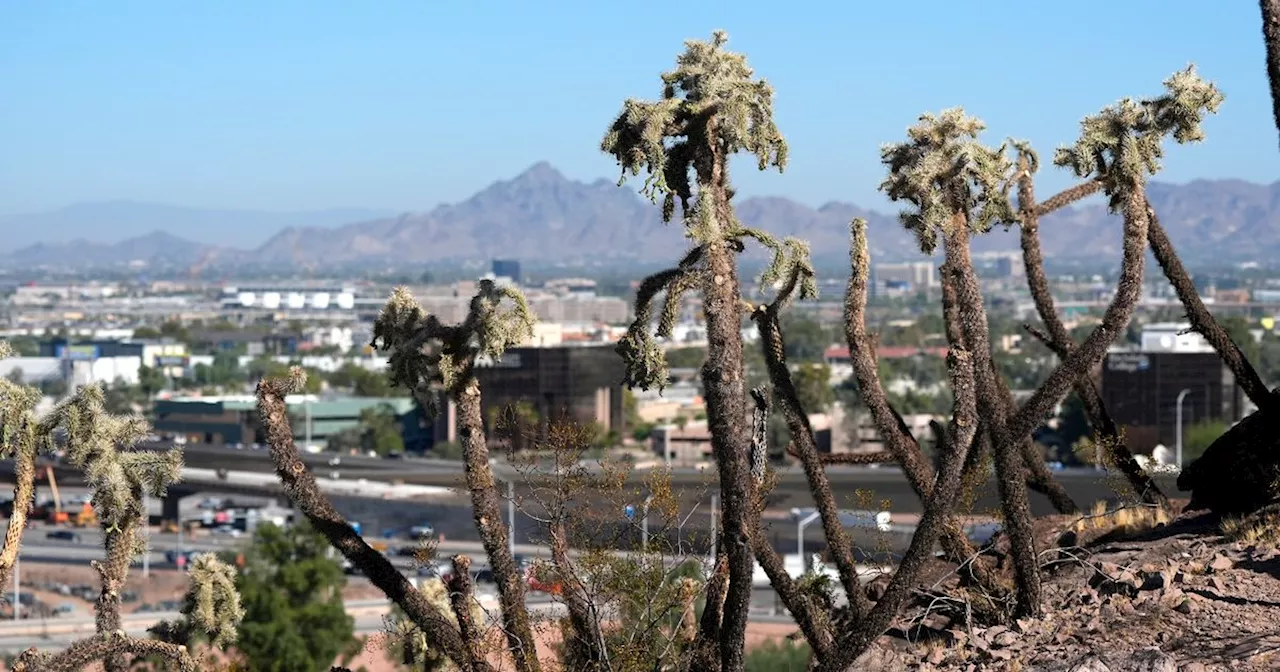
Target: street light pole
x,y
644,524
1178,420
306,404
715,542
511,515
146,525
800,525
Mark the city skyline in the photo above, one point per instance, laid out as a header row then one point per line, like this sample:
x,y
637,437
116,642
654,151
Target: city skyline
x,y
317,106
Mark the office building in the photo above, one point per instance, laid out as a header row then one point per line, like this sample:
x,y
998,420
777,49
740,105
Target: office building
x,y
1141,386
507,268
581,384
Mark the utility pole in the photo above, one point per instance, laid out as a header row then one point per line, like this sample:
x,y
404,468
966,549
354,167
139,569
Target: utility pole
x,y
146,525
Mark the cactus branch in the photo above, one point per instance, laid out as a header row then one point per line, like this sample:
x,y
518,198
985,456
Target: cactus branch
x,y
1202,321
301,487
1059,341
937,510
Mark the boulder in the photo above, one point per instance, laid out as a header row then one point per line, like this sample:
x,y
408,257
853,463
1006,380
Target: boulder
x,y
1240,472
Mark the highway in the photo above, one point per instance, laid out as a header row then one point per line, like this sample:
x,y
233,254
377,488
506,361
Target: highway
x,y
856,488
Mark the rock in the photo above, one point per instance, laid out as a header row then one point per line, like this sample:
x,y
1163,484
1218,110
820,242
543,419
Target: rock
x,y
1221,563
1006,639
1184,607
936,656
1237,473
1153,660
1090,664
1194,666
1156,580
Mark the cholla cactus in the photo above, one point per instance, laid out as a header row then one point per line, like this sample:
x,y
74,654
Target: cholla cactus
x,y
215,603
100,444
403,636
944,171
708,82
425,351
1121,145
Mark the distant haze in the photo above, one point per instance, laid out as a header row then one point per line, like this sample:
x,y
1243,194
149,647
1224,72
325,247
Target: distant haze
x,y
114,221
542,216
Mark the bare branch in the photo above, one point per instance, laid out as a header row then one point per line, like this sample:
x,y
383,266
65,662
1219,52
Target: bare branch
x,y
461,596
103,646
300,485
1202,321
960,437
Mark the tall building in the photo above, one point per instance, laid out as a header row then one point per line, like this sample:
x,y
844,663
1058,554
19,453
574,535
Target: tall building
x,y
1141,386
507,268
582,384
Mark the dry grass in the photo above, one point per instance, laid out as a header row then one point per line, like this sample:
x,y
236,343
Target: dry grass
x,y
1123,521
1261,529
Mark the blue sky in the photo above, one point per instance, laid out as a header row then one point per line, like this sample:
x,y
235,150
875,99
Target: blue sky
x,y
293,104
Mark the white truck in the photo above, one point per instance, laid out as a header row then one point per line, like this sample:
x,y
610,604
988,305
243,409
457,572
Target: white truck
x,y
795,569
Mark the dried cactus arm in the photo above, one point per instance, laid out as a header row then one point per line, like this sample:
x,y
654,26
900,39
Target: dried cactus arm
x,y
1202,321
1271,38
461,597
486,509
104,646
854,643
300,485
838,540
1010,475
892,429
797,603
1067,196
1059,341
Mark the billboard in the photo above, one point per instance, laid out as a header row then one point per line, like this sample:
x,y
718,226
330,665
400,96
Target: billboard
x,y
79,353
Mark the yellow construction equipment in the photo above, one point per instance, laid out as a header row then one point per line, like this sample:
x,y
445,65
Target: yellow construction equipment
x,y
87,517
59,516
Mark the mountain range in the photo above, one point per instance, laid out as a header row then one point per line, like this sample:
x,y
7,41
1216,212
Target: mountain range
x,y
540,216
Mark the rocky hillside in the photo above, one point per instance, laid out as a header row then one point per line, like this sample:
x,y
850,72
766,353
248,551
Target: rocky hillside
x,y
542,216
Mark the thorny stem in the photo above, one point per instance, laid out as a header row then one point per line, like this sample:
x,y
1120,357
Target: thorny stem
x,y
1271,37
724,383
838,541
1010,477
938,509
1059,341
797,603
1202,321
486,509
120,545
893,431
461,596
300,485
1083,358
104,646
23,496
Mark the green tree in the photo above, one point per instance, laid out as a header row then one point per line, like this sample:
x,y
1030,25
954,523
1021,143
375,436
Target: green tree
x,y
291,591
806,339
813,386
380,430
778,656
152,380
1197,438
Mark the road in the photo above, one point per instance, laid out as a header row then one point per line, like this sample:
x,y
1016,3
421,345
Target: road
x,y
856,487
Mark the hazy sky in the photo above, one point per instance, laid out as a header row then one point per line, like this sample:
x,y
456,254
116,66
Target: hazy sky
x,y
313,104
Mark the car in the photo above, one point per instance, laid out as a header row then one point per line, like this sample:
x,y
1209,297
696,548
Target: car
x,y
422,530
63,535
228,530
335,461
